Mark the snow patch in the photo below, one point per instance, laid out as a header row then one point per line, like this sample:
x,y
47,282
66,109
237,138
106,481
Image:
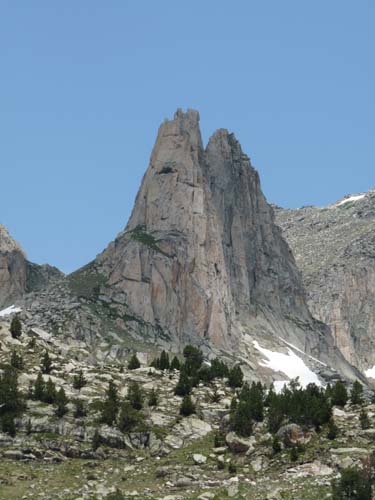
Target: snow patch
x,y
300,350
10,310
290,364
355,197
370,373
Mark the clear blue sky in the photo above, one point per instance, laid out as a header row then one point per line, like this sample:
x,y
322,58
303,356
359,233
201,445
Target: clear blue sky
x,y
85,84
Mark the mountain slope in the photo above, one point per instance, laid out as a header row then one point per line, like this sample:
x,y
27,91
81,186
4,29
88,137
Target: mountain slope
x,y
335,251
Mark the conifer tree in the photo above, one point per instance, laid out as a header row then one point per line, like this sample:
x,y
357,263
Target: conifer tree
x,y
129,417
364,420
164,361
61,402
332,430
49,393
187,406
46,366
134,363
175,364
8,425
96,440
193,359
339,394
15,327
79,409
39,388
11,400
110,405
135,396
184,385
235,377
356,393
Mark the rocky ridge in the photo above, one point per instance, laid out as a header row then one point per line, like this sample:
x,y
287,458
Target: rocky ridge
x,y
334,249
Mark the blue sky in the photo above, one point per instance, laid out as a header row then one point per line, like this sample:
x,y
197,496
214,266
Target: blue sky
x,y
84,86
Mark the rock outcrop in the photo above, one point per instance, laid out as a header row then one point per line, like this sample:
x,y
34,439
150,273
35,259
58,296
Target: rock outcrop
x,y
13,269
18,276
335,251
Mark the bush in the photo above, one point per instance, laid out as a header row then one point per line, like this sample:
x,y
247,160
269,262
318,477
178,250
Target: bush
x,y
232,469
16,360
15,327
134,363
79,381
79,409
187,406
294,454
7,424
353,484
153,398
96,440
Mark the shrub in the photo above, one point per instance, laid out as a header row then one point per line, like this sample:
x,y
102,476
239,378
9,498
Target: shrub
x,y
79,381
276,445
364,420
96,440
110,405
187,406
61,402
353,484
79,409
153,398
232,469
15,327
184,385
7,424
16,360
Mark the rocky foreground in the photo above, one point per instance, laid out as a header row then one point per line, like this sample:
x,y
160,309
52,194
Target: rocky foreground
x,y
170,456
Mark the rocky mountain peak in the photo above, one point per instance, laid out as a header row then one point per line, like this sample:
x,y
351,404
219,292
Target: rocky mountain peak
x,y
7,243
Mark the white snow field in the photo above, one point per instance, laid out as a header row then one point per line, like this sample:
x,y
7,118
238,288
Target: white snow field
x,y
290,364
9,310
370,373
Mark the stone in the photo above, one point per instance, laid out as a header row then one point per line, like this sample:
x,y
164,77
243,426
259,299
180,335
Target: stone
x,y
199,459
239,444
292,434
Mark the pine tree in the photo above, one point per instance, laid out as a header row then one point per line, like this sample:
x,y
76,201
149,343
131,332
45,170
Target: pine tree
x,y
61,402
15,327
49,393
183,386
46,366
275,415
39,388
11,400
153,398
110,405
339,394
294,454
235,377
356,393
187,406
79,381
164,361
175,364
219,369
135,396
134,363
193,359
129,417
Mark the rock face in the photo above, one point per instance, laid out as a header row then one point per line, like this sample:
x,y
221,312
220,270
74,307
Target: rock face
x,y
19,276
335,251
13,269
201,254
